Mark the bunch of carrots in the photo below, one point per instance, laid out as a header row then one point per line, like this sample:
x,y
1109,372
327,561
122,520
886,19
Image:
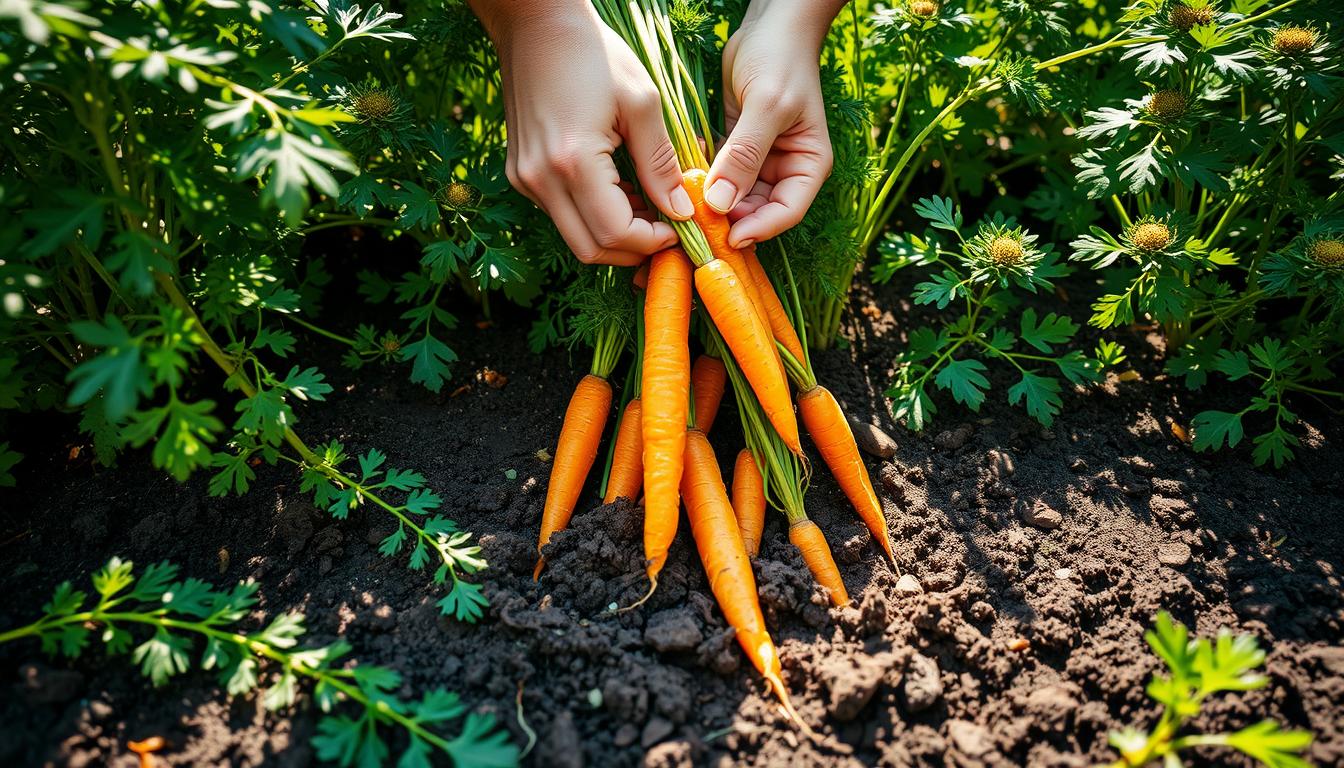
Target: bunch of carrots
x,y
752,341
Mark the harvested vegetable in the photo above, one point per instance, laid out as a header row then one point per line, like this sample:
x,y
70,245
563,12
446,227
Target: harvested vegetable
x,y
749,501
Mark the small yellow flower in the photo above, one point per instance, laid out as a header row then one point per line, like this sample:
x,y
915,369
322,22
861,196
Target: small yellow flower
x,y
1151,236
1327,253
1168,104
391,345
924,9
1183,17
459,195
1294,39
1005,251
374,104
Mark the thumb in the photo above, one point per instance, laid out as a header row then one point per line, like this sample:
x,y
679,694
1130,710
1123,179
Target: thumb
x,y
656,164
739,161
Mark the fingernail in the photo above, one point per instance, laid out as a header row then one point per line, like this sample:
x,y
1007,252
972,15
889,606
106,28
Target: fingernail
x,y
746,244
720,195
681,203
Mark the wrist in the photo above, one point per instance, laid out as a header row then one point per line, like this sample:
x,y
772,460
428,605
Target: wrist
x,y
808,19
508,20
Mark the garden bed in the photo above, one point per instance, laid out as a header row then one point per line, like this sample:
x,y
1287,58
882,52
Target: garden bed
x,y
1042,555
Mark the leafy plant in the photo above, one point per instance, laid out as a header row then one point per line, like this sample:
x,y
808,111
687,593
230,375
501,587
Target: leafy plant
x,y
1199,668
1217,168
187,617
161,164
978,275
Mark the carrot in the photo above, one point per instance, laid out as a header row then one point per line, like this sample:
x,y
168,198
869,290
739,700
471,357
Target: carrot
x,y
708,377
725,560
664,383
750,341
575,452
775,313
749,501
807,537
715,225
627,463
830,432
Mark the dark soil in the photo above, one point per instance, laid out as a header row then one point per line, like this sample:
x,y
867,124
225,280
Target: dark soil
x,y
1024,646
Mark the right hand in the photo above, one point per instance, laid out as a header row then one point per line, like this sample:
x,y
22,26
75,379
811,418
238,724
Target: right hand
x,y
573,93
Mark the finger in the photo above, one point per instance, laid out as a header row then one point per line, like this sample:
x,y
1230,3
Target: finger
x,y
655,158
574,230
787,203
739,161
609,215
757,197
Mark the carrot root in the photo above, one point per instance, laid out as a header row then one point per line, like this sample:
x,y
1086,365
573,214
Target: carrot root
x,y
749,501
665,379
809,540
830,431
775,313
627,463
575,452
708,377
751,343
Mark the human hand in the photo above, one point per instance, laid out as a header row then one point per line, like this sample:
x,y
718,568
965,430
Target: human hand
x,y
573,93
778,152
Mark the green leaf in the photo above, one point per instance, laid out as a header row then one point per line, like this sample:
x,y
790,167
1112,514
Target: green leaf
x,y
8,459
307,384
940,289
162,656
1274,446
422,501
1171,642
1214,429
1269,744
117,373
392,544
266,414
278,340
187,430
1226,663
481,745
465,602
966,380
64,601
430,360
941,211
419,208
1041,394
136,256
290,163
234,474
113,577
153,582
338,739
1049,332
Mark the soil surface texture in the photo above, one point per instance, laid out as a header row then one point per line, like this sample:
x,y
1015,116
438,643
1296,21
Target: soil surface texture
x,y
1036,558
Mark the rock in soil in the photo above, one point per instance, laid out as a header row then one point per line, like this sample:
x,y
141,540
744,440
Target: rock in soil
x,y
1173,553
908,585
853,681
923,683
1041,515
952,439
672,631
562,747
655,731
969,738
873,440
671,754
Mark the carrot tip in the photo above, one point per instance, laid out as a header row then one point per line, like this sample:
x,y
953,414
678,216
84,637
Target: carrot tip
x,y
536,572
653,585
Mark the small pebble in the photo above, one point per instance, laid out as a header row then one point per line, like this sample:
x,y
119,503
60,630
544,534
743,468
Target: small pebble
x,y
908,585
873,440
1063,573
1041,515
655,731
1019,644
1174,553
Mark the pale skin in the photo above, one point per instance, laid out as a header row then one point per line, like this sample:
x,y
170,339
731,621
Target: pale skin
x,y
574,92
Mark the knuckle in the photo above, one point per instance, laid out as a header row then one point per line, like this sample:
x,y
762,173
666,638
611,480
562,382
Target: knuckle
x,y
664,159
745,154
607,239
588,255
564,163
530,173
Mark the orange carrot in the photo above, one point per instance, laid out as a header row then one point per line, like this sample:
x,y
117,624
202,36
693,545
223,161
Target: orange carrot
x,y
751,343
725,560
749,501
627,461
575,452
807,537
775,314
715,225
830,432
708,377
664,381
